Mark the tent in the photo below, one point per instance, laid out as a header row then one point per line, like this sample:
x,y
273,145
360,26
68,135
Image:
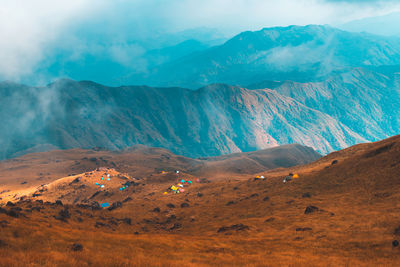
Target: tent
x,y
165,193
182,181
102,185
104,205
295,176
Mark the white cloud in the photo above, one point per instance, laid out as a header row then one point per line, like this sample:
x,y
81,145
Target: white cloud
x,y
28,28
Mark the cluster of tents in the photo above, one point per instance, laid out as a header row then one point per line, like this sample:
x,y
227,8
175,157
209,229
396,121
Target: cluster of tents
x,y
290,177
178,188
101,185
124,186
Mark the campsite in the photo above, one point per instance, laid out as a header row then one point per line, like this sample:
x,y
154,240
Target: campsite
x,y
341,208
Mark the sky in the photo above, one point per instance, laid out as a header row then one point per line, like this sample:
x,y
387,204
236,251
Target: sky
x,y
29,29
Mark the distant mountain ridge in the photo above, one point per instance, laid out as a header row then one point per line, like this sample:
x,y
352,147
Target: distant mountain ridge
x,y
299,53
349,108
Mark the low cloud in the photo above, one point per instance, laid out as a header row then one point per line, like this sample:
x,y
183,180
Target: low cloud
x,y
31,32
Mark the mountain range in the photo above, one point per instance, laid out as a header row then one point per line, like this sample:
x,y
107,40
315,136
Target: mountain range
x,y
314,85
298,53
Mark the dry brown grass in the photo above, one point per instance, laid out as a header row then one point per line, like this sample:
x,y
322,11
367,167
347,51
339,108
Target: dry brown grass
x,y
358,198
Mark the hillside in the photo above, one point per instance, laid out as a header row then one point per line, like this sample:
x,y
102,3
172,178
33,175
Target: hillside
x,y
213,120
299,53
27,173
341,209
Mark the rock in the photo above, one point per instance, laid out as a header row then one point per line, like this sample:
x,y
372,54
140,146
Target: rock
x,y
77,247
270,219
184,205
303,229
115,205
235,227
306,195
13,213
230,203
100,224
311,209
199,194
79,219
63,215
266,198
2,243
24,182
95,205
10,204
157,209
95,194
127,220
4,223
253,195
136,233
235,188
397,231
59,203
176,226
334,162
127,199
395,243
170,205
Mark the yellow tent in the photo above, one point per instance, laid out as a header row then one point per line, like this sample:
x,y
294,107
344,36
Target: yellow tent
x,y
174,187
295,176
165,193
258,176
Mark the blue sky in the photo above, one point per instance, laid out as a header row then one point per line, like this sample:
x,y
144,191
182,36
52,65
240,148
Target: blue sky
x,y
28,29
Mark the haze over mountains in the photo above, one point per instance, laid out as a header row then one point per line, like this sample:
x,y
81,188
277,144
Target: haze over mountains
x,y
349,93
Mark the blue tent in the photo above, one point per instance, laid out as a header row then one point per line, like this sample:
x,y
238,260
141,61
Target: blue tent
x,y
104,205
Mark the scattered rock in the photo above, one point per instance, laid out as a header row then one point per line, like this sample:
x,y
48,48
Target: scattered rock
x,y
4,223
127,199
95,205
306,195
115,205
199,194
176,226
2,243
170,205
76,180
63,215
397,231
100,224
253,195
311,209
77,247
230,203
184,205
271,219
10,204
395,243
157,209
303,229
127,220
235,227
59,203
